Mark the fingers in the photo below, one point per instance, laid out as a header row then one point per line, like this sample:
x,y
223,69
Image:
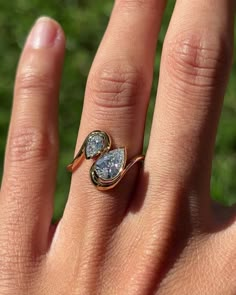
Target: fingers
x,y
120,80
195,67
116,100
31,154
194,71
118,86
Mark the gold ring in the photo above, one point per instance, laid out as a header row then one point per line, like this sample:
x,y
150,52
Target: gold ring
x,y
110,166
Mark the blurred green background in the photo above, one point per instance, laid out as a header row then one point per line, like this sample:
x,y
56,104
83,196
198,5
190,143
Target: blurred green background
x,y
84,22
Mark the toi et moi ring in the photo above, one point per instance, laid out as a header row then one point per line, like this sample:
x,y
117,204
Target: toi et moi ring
x,y
110,166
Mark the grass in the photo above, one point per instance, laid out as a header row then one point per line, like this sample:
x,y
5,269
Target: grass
x,y
84,23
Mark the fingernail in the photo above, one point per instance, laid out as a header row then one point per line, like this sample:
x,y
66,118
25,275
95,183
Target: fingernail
x,y
43,33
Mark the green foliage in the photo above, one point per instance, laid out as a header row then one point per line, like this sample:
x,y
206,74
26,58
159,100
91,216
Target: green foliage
x,y
84,22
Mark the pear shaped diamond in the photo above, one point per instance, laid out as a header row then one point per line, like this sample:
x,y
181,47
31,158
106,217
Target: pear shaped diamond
x,y
95,144
110,164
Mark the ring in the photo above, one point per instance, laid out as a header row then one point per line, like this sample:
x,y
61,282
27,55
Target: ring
x,y
110,166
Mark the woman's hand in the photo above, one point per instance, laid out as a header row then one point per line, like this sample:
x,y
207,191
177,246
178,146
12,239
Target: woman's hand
x,y
157,232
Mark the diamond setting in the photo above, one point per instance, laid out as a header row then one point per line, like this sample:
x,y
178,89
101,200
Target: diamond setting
x,y
95,144
110,165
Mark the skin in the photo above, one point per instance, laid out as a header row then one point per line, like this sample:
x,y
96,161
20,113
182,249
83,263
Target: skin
x,y
158,232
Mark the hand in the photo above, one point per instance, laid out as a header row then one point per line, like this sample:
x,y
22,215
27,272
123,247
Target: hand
x,y
158,231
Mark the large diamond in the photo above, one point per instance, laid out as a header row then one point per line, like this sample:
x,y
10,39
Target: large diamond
x,y
110,164
95,144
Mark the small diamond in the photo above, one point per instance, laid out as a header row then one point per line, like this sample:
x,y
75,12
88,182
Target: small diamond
x,y
110,164
95,144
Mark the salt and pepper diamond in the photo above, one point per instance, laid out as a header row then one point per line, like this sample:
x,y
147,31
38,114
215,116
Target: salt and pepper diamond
x,y
109,166
95,144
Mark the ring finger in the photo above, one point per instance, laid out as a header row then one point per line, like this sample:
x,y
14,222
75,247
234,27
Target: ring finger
x,y
116,99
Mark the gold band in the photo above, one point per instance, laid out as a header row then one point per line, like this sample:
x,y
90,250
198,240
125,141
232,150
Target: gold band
x,y
110,166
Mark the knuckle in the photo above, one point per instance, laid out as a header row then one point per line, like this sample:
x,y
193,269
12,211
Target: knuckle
x,y
29,144
32,82
197,60
116,85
